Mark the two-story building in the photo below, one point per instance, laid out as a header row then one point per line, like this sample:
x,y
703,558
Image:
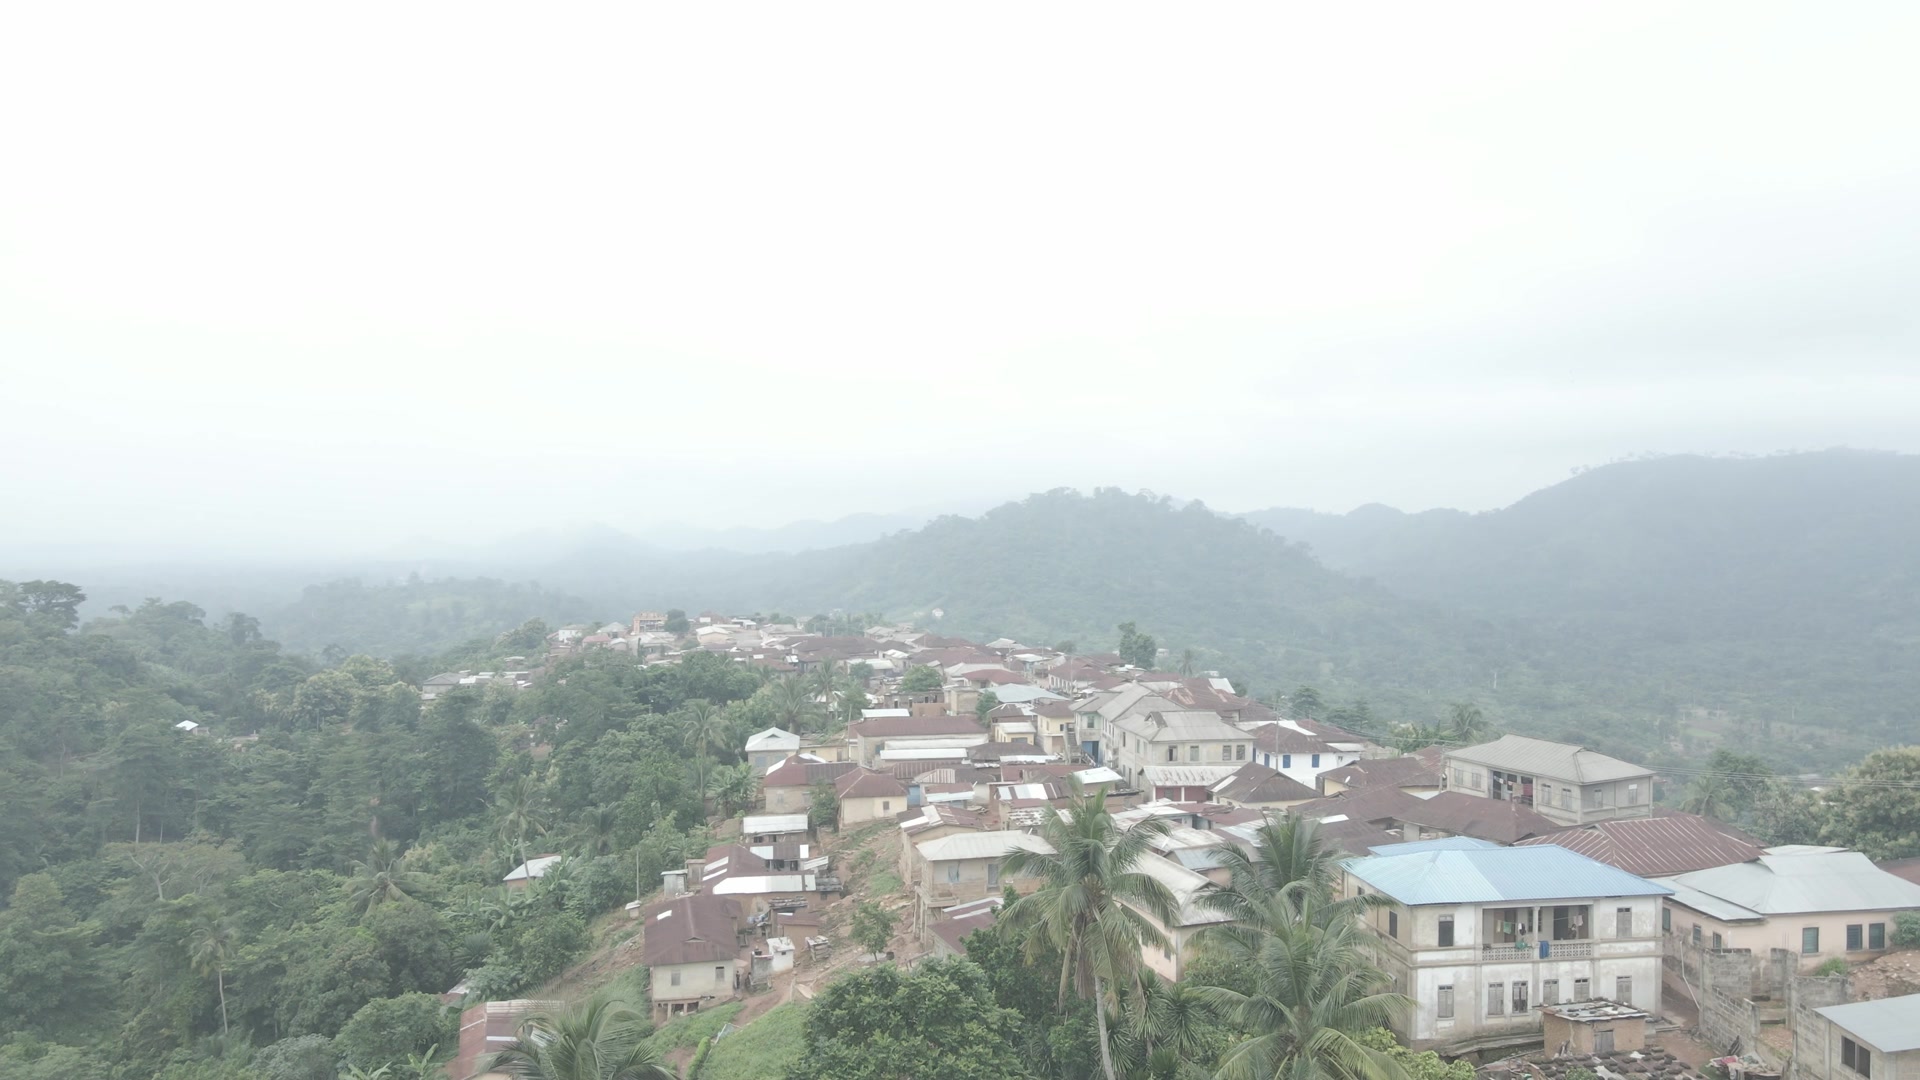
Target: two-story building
x,y
1176,754
964,866
1570,784
768,748
1478,935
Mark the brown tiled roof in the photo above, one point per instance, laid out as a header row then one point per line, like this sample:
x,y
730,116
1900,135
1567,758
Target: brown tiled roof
x,y
1057,709
867,784
1370,804
1358,837
701,928
995,676
944,814
994,751
1221,814
1500,820
1255,783
1669,843
1409,771
886,727
797,772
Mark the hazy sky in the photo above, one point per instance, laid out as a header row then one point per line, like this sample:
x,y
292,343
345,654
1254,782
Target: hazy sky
x,y
323,278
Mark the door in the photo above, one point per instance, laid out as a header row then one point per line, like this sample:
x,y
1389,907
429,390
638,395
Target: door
x,y
1603,1040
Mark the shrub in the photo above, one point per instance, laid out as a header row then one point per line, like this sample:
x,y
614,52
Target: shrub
x,y
388,1030
545,948
1906,930
1835,966
304,1057
699,1057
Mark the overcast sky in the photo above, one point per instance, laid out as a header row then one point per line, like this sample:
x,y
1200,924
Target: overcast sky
x,y
327,278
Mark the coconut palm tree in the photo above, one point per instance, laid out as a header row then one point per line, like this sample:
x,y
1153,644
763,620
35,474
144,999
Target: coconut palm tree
x,y
1287,851
1093,905
602,1038
1187,662
1709,796
523,812
1314,992
1466,723
732,788
1165,1027
599,827
210,950
704,732
793,703
382,877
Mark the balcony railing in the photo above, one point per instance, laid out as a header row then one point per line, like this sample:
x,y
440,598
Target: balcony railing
x,y
1556,950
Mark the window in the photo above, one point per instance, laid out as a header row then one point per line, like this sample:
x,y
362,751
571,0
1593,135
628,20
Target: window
x,y
1623,922
673,979
1240,752
1193,753
1717,942
1633,794
1856,1057
1666,920
1519,998
1446,930
1459,777
1809,940
886,806
1496,999
719,976
1316,761
1623,989
1393,925
1566,798
1173,753
953,873
1286,761
1445,997
1856,937
1549,991
1581,991
1877,935
993,873
1696,934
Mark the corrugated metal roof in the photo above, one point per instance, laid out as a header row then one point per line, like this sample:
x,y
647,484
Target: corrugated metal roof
x,y
981,845
1444,843
773,739
1187,775
1555,761
1707,904
1186,887
762,824
1787,881
1668,843
1890,1025
1494,874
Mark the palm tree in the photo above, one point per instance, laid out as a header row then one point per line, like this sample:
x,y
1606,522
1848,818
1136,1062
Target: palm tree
x,y
1165,1024
1288,851
1709,796
732,788
383,877
523,811
1187,662
602,1038
825,684
1092,904
1314,991
705,731
1466,723
210,950
793,704
599,827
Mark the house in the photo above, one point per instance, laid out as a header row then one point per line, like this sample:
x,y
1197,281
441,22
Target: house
x,y
1815,903
930,823
757,881
1255,785
963,867
1410,818
768,748
787,787
866,795
1593,1027
1303,749
1058,727
1570,784
530,871
1175,753
486,1029
691,946
1186,886
191,728
869,735
1861,1040
1419,773
1479,935
1668,843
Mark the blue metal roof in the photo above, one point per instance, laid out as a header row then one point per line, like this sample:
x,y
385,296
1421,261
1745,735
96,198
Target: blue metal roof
x,y
1485,875
1444,843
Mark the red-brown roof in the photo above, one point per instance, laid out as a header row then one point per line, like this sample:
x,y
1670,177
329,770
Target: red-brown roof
x,y
701,928
1255,783
994,676
867,784
1669,843
796,771
896,727
1409,771
1500,820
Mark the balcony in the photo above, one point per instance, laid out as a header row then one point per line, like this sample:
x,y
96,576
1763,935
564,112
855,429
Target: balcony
x,y
1556,950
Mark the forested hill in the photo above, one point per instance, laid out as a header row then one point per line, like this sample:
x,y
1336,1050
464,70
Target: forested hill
x,y
1783,589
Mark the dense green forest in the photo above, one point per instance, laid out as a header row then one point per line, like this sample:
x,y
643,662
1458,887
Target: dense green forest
x,y
217,905
349,616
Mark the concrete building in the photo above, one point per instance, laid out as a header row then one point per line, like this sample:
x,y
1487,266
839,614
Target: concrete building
x,y
768,748
691,946
1569,784
1815,903
1862,1040
962,867
1176,754
1479,935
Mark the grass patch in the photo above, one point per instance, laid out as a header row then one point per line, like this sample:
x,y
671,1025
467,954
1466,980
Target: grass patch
x,y
686,1032
884,883
764,1048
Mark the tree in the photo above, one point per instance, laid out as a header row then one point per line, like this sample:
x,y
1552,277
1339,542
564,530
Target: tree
x,y
56,601
1709,796
1877,805
211,951
1307,702
382,877
986,703
304,1057
1289,856
793,704
872,927
1092,904
676,621
704,732
386,1031
1466,723
48,974
939,1020
523,811
733,787
823,806
1314,993
1187,662
602,1038
1137,648
922,679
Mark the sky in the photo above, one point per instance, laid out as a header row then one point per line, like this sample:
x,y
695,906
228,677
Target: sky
x,y
333,279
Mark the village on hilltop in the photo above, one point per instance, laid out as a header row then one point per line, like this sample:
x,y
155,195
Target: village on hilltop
x,y
1533,896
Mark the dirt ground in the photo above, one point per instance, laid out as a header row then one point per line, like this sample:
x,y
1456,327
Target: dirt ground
x,y
1893,975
